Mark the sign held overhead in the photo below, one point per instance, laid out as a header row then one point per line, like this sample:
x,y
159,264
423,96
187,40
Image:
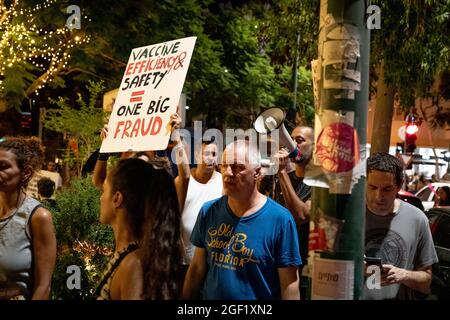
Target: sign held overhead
x,y
148,95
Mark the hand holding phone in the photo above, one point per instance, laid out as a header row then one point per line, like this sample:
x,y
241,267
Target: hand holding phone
x,y
370,261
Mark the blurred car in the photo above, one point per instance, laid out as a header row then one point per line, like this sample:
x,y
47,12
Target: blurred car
x,y
410,198
440,229
428,193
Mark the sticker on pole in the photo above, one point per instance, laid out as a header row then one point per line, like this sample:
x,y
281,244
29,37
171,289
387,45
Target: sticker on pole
x,y
338,148
339,158
332,279
148,95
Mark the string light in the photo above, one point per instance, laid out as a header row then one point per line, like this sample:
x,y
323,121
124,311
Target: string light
x,y
22,42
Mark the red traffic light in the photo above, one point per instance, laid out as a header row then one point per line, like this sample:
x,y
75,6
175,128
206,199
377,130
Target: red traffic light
x,y
411,129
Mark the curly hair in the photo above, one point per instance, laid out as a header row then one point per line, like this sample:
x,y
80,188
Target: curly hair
x,y
153,214
29,152
387,163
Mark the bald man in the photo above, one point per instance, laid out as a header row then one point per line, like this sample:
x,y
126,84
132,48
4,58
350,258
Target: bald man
x,y
246,245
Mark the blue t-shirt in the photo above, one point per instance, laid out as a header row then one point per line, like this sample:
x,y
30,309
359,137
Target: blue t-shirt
x,y
244,254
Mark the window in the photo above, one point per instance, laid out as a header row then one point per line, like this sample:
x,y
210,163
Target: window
x,y
424,195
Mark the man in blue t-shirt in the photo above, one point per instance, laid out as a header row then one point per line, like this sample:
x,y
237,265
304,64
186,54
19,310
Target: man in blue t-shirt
x,y
246,244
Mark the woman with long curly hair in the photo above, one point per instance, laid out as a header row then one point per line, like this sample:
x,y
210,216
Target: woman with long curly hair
x,y
140,203
27,237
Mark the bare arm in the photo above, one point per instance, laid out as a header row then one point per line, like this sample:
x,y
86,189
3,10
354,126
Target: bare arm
x,y
44,252
298,209
181,186
289,283
182,161
99,175
419,280
195,275
130,279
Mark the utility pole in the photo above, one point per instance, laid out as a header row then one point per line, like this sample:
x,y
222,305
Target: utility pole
x,y
337,215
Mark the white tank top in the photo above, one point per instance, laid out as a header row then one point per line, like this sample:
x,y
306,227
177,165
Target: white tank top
x,y
197,194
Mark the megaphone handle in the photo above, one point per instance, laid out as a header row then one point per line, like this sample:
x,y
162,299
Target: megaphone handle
x,y
296,154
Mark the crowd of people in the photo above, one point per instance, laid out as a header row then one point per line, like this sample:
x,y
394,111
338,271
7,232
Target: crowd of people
x,y
205,234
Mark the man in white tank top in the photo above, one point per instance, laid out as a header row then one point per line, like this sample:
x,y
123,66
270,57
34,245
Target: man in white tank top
x,y
205,184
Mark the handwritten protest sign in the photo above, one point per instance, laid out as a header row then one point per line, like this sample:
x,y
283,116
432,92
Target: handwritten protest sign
x,y
148,95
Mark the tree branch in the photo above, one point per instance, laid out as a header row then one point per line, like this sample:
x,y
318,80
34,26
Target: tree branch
x,y
7,12
39,81
82,71
121,63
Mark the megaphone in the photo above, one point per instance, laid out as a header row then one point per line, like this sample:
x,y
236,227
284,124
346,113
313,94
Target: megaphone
x,y
272,119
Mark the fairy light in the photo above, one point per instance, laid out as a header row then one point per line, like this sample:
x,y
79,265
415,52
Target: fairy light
x,y
22,41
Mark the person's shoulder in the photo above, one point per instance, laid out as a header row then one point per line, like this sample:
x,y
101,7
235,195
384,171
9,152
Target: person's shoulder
x,y
274,205
40,223
412,211
131,262
41,215
212,205
216,176
128,278
276,209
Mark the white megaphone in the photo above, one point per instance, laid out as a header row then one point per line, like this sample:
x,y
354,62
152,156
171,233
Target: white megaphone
x,y
272,119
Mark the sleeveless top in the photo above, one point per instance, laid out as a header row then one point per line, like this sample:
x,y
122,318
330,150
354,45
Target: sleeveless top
x,y
104,288
16,253
197,194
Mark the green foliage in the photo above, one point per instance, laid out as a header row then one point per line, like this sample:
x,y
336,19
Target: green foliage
x,y
254,84
414,44
245,80
305,98
17,79
287,18
60,291
231,75
78,212
82,122
82,240
35,46
240,51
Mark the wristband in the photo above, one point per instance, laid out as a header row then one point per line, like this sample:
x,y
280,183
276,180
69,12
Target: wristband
x,y
178,146
103,156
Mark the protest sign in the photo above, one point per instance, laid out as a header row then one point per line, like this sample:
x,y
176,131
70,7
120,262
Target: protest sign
x,y
148,95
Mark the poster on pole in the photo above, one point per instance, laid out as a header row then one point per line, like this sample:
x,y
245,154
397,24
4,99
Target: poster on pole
x,y
148,95
332,279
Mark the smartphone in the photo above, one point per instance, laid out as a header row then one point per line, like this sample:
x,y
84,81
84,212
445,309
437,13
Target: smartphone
x,y
370,261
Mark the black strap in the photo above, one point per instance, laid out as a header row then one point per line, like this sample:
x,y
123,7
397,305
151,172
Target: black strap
x,y
114,264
